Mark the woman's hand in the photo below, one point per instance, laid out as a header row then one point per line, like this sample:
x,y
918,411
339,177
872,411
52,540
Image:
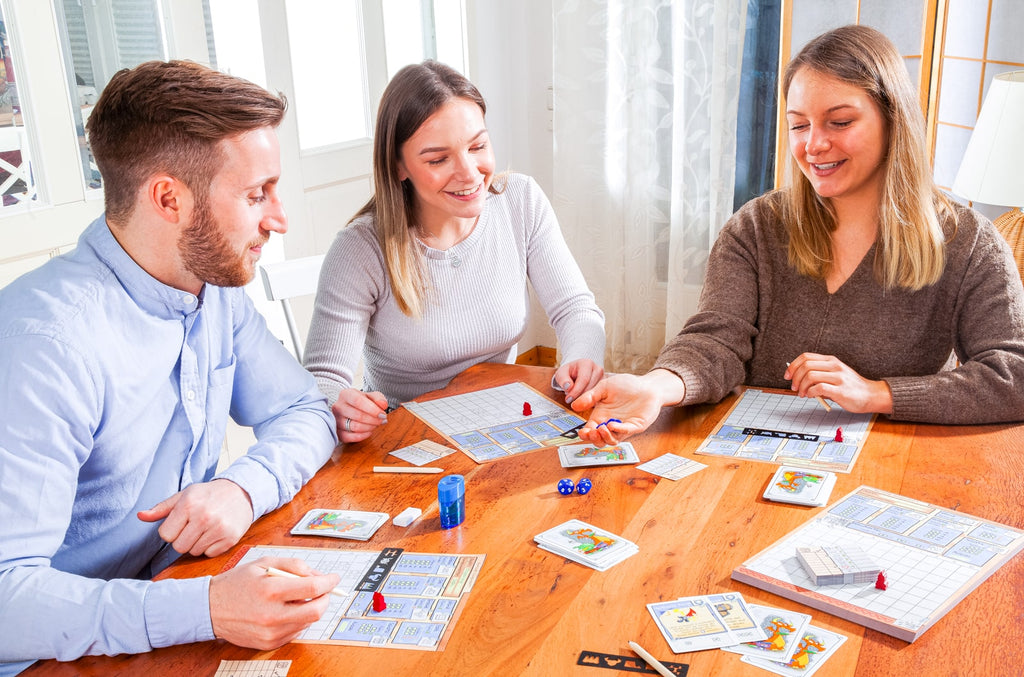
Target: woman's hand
x,y
358,414
577,377
634,402
827,376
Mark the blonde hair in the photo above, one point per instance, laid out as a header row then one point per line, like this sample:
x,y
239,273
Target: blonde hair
x,y
910,252
414,94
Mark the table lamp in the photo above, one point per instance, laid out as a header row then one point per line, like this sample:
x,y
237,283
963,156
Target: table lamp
x,y
990,171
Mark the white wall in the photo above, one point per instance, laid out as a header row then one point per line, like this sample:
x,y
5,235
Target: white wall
x,y
510,62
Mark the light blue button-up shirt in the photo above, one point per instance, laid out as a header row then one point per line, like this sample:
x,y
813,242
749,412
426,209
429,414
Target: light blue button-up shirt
x,y
115,394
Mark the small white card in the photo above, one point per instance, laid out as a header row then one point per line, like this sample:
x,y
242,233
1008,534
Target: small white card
x,y
423,452
671,467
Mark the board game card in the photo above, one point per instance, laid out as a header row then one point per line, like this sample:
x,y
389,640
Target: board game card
x,y
691,624
355,525
671,467
815,647
733,611
423,452
586,544
801,486
586,455
784,629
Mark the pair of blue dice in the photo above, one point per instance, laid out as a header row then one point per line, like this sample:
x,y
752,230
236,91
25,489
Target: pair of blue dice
x,y
565,486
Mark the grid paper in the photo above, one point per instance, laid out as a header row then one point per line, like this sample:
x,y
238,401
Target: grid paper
x,y
253,668
425,594
489,424
932,558
784,429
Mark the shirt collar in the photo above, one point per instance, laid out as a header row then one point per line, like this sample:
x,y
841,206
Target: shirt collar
x,y
148,292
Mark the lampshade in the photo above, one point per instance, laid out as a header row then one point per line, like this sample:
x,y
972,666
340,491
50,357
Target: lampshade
x,y
991,169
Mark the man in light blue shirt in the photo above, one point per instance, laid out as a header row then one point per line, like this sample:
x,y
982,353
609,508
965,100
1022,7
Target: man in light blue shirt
x,y
122,361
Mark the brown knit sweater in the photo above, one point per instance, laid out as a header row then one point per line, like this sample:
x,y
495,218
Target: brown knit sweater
x,y
757,313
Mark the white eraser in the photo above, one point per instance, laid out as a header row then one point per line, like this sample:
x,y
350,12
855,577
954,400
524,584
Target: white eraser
x,y
406,517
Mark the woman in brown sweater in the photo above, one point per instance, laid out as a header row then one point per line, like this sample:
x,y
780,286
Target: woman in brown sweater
x,y
856,282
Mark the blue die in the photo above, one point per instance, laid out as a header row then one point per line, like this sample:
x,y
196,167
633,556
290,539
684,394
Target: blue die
x,y
583,486
565,487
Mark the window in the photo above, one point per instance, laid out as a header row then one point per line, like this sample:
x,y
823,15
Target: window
x,y
100,38
980,40
16,182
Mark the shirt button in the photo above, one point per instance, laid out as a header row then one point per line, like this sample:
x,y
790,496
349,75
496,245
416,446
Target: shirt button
x,y
188,299
190,395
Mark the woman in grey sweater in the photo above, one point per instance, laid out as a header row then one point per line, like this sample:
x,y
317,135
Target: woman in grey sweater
x,y
430,277
854,283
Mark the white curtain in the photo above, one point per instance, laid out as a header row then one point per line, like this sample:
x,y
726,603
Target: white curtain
x,y
645,100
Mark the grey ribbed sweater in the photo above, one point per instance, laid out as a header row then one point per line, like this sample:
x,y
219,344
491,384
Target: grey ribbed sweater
x,y
756,314
477,307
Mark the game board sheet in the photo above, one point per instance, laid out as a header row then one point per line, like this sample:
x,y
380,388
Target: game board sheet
x,y
932,558
490,424
786,429
425,593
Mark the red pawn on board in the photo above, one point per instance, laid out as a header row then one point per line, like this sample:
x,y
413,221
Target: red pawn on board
x,y
880,582
527,410
839,434
378,602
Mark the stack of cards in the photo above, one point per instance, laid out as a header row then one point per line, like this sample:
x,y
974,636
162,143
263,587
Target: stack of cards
x,y
587,455
838,564
356,525
586,544
800,486
706,622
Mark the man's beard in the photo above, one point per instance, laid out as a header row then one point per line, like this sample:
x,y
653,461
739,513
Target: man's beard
x,y
208,255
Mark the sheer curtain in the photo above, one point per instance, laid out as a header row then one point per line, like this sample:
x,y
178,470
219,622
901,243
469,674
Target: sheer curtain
x,y
645,101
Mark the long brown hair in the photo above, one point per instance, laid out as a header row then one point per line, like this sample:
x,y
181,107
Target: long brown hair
x,y
168,116
910,251
414,94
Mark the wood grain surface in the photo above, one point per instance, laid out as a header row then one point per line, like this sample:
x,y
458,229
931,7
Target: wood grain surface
x,y
531,612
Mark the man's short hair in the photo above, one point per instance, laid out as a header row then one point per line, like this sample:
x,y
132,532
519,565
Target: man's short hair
x,y
168,116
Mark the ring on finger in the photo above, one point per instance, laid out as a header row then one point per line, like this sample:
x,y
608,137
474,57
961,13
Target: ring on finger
x,y
348,425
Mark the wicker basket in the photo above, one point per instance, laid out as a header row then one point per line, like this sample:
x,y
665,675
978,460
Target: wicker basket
x,y
1011,226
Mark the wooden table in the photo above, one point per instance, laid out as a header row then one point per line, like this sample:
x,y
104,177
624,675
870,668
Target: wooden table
x,y
531,613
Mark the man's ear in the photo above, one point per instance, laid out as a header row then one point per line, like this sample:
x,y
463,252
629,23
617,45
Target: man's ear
x,y
168,197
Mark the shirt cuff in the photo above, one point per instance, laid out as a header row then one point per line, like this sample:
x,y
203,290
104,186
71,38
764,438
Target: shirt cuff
x,y
177,611
258,482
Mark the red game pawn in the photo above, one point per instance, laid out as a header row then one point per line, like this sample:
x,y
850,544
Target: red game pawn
x,y
527,410
378,602
880,582
839,434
